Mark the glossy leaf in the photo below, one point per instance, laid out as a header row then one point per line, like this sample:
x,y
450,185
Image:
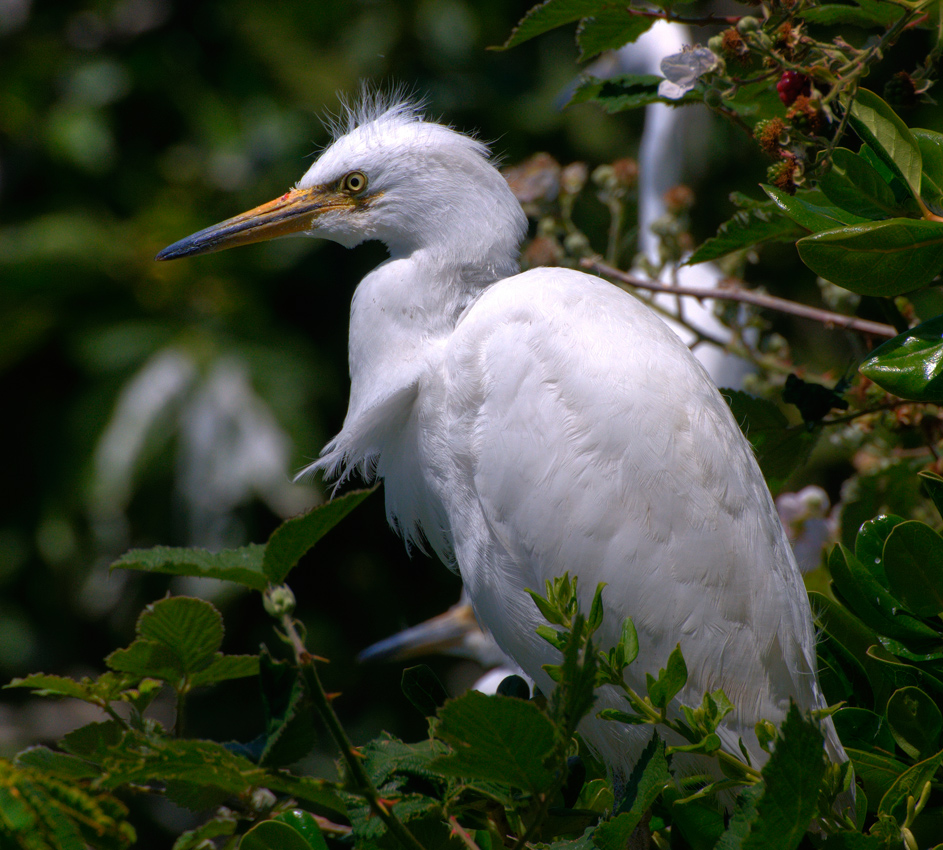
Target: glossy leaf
x,y
869,544
274,835
863,14
876,771
609,29
811,210
242,566
853,184
913,561
549,15
931,152
294,537
890,138
888,258
915,722
909,783
933,484
863,729
304,823
911,364
498,739
871,601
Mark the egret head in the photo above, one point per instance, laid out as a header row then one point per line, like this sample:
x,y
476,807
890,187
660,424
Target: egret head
x,y
392,176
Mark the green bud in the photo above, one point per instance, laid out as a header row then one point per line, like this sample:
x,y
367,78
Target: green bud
x,y
279,601
748,24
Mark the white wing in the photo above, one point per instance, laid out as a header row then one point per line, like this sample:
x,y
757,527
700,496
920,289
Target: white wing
x,y
580,435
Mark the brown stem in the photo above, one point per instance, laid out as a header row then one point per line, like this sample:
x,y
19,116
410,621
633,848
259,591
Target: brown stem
x,y
758,299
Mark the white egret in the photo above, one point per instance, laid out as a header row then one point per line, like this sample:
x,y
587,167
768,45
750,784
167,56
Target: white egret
x,y
529,424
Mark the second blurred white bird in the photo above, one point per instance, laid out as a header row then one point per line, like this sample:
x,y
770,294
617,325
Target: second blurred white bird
x,y
531,424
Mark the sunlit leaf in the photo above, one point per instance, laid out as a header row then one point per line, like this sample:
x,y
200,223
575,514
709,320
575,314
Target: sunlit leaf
x,y
549,15
853,184
890,138
610,29
889,257
911,364
811,210
243,565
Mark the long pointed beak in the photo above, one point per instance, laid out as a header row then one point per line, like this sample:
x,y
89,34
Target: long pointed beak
x,y
293,212
446,633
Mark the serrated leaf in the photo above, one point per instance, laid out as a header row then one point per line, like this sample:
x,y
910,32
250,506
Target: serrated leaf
x,y
626,91
910,782
148,658
63,765
549,15
610,29
792,777
890,138
225,667
811,210
913,562
289,721
94,740
915,722
498,739
242,566
423,689
649,777
294,537
853,184
911,364
746,229
888,258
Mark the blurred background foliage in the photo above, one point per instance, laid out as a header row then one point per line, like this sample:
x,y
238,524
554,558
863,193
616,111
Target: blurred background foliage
x,y
171,403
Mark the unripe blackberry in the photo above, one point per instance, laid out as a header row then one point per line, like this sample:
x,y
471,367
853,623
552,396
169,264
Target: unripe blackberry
x,y
900,89
771,134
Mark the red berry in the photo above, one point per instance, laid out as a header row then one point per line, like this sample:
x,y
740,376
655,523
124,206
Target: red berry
x,y
792,84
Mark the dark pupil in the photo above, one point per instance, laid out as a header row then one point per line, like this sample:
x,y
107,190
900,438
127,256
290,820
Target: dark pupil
x,y
354,182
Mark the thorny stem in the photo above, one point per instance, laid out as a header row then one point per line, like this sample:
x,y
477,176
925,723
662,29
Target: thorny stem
x,y
758,299
460,831
306,664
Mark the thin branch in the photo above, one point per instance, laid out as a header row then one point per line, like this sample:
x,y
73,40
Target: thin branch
x,y
459,830
306,663
757,299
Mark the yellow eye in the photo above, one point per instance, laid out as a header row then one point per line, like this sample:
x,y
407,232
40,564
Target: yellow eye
x,y
354,183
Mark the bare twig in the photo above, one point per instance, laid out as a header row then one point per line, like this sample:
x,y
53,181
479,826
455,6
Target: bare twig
x,y
757,299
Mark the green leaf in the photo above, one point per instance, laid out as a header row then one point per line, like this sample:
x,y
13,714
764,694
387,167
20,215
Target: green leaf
x,y
876,772
746,229
868,599
853,184
649,777
910,782
867,13
423,689
63,765
242,566
931,152
811,210
890,138
225,667
915,722
780,449
549,15
863,729
889,257
305,825
869,544
913,561
498,739
290,733
933,484
910,365
191,628
792,777
610,29
294,537
274,835
626,91
670,680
